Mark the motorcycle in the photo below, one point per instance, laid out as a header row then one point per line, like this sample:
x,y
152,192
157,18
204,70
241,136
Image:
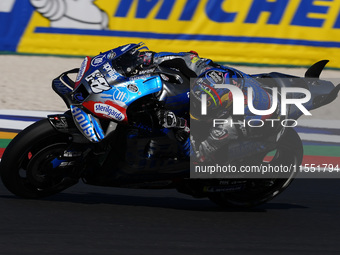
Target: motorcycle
x,y
111,137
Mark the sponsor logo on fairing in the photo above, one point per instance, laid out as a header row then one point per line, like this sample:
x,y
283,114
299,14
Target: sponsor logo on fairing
x,y
84,123
139,77
147,71
98,60
111,71
109,111
132,88
79,97
120,96
82,69
61,87
111,55
97,82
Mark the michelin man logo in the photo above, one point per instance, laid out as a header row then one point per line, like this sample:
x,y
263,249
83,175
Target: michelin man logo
x,y
6,5
82,14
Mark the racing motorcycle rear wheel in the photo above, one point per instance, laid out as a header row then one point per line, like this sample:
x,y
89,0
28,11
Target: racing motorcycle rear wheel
x,y
33,166
258,191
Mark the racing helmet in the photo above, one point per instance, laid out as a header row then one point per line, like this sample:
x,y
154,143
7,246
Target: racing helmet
x,y
218,101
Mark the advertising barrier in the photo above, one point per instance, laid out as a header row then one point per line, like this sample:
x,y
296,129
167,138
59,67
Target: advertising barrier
x,y
275,32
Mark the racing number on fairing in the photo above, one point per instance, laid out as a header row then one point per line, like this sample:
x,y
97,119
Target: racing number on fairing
x,y
97,82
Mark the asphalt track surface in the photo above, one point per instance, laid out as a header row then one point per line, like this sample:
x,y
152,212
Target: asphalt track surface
x,y
305,219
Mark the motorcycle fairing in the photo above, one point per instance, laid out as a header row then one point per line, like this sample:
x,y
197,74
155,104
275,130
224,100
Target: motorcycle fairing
x,y
319,89
63,86
177,103
88,125
100,59
83,68
102,91
102,62
100,65
107,92
118,98
107,110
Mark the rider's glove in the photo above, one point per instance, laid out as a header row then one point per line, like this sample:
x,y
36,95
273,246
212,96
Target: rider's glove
x,y
168,119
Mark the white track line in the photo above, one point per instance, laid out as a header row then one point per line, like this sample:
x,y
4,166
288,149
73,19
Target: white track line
x,y
320,138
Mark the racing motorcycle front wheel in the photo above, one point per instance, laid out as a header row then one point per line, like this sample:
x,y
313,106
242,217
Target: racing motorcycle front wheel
x,y
289,152
37,162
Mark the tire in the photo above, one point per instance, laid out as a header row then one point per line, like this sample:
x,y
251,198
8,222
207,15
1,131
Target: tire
x,y
258,191
26,167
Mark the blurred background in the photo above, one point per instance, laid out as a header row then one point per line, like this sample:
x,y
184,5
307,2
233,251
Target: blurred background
x,y
276,32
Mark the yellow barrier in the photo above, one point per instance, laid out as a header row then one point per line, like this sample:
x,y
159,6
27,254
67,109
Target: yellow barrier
x,y
280,32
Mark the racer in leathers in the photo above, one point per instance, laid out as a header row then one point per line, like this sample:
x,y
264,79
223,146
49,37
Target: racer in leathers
x,y
205,74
